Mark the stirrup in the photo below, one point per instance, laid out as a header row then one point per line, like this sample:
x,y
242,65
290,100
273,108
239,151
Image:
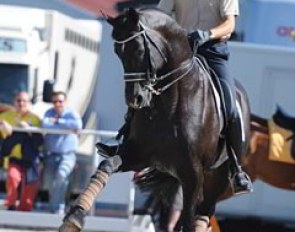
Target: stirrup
x,y
241,183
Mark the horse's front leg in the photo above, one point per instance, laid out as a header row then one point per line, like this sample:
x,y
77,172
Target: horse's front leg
x,y
188,209
191,197
201,221
74,219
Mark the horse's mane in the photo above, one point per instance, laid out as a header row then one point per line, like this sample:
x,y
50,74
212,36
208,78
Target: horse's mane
x,y
156,18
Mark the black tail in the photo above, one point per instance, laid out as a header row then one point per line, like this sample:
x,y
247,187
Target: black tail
x,y
159,184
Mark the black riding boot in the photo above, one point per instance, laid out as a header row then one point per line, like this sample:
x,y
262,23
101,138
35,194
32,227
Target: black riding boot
x,y
241,183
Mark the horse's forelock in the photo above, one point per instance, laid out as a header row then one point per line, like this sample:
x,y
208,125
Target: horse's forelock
x,y
151,17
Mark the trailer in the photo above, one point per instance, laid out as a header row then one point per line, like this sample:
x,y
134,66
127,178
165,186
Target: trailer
x,y
268,75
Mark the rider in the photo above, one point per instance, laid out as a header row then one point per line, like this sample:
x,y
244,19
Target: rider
x,y
209,24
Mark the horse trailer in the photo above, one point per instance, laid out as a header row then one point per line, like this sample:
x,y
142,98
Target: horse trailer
x,y
267,73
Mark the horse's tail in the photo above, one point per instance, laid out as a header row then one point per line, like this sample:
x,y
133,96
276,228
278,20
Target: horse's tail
x,y
161,185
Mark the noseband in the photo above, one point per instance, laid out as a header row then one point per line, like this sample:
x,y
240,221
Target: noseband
x,y
150,76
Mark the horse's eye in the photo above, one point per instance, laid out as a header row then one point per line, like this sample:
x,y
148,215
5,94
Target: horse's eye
x,y
123,20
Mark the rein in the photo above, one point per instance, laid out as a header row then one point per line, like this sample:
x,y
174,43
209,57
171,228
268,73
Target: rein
x,y
129,38
150,75
188,66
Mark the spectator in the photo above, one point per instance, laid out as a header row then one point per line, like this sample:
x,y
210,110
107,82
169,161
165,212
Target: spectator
x,y
21,151
60,157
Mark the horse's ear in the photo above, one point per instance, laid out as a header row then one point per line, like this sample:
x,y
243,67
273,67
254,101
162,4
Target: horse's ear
x,y
110,20
133,15
105,16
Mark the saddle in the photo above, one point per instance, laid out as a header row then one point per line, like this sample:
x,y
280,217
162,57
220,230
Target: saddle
x,y
283,119
282,143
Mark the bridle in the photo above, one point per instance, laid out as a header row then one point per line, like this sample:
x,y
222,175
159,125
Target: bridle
x,y
150,77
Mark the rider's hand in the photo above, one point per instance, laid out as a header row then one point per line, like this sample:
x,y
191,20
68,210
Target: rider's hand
x,y
199,37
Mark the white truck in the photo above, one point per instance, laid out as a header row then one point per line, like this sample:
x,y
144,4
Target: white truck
x,y
42,45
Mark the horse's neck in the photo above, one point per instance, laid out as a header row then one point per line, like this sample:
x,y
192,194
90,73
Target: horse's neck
x,y
196,91
197,103
167,103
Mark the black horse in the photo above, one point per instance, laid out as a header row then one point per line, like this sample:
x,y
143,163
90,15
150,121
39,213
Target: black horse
x,y
175,124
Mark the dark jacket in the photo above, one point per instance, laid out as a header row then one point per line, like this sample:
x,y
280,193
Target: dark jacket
x,y
30,145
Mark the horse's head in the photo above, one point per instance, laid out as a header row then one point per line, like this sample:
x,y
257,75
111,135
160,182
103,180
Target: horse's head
x,y
141,43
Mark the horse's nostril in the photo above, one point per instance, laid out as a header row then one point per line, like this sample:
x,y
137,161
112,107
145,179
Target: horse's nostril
x,y
139,99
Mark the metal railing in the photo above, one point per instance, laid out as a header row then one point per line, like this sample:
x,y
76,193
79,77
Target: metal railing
x,y
44,131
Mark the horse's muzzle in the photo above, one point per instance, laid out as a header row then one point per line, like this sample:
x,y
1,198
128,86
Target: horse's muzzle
x,y
139,101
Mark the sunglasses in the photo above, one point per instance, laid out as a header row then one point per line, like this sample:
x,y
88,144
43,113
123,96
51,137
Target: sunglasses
x,y
21,100
57,101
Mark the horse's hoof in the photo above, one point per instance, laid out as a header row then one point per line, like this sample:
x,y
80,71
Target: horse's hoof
x,y
68,227
74,220
203,229
210,229
202,224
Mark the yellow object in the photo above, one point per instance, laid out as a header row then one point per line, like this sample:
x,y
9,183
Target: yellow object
x,y
5,129
280,147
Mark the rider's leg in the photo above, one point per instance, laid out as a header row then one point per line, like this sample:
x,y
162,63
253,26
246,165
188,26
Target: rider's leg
x,y
241,183
216,55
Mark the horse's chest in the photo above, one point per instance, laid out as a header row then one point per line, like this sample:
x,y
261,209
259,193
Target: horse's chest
x,y
153,127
